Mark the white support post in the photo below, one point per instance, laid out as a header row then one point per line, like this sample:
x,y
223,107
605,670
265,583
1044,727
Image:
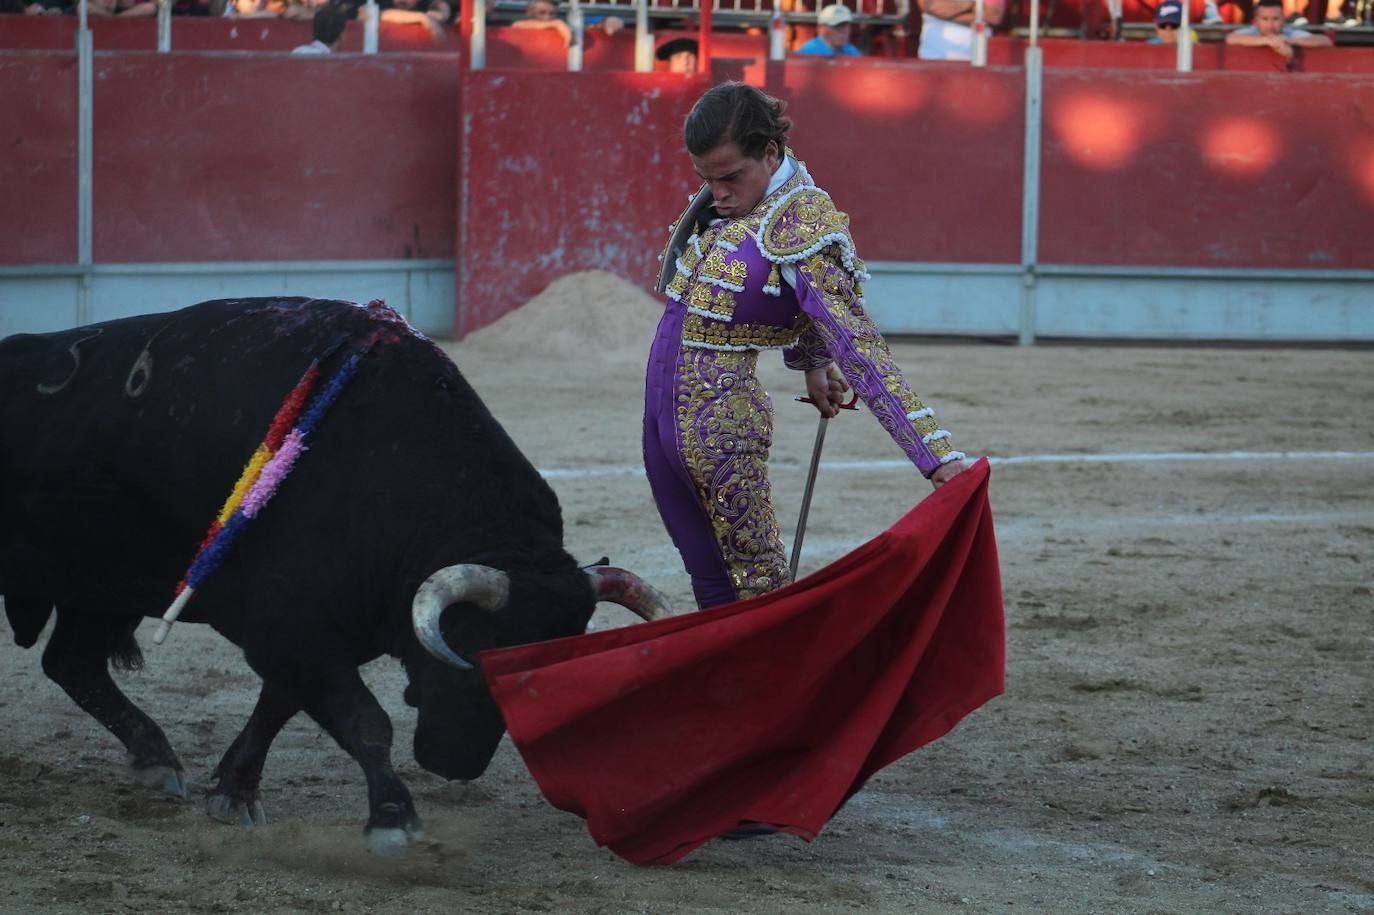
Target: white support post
x,y
1034,29
1030,194
644,39
164,26
575,23
777,33
85,87
371,26
477,53
1184,39
979,57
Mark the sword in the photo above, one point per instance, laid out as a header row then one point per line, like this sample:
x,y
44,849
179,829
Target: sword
x,y
853,404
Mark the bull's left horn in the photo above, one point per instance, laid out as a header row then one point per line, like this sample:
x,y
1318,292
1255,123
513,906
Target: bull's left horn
x,y
484,586
630,591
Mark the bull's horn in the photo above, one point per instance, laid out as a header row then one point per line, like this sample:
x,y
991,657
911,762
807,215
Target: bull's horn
x,y
630,591
484,586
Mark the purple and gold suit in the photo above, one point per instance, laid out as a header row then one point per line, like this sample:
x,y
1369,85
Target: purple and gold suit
x,y
708,423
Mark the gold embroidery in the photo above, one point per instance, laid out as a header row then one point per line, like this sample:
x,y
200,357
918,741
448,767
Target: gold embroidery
x,y
725,420
713,299
870,353
700,331
807,219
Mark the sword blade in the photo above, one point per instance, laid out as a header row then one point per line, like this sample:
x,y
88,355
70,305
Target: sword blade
x,y
806,496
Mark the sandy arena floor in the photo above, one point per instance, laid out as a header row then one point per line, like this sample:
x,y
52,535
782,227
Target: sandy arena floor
x,y
1186,727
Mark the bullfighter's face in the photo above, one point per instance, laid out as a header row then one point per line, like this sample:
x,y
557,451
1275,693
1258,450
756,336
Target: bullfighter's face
x,y
737,182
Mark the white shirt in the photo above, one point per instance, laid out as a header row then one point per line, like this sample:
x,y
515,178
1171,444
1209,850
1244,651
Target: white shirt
x,y
315,47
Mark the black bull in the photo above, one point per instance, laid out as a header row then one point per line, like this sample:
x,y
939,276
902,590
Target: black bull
x,y
119,443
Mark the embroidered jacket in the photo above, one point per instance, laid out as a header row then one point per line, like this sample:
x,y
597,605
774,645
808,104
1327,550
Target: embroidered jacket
x,y
730,277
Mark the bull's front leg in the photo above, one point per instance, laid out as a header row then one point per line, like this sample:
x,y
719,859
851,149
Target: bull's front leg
x,y
353,717
234,799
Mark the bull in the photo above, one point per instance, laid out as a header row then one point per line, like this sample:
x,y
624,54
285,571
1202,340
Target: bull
x,y
412,527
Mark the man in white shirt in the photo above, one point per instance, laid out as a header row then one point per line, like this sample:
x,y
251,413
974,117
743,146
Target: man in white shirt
x,y
947,27
328,28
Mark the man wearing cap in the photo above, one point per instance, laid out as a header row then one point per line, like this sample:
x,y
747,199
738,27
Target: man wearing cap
x,y
1168,18
1269,31
832,38
947,27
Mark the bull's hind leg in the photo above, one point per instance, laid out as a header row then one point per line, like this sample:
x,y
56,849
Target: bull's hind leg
x,y
77,658
235,799
353,717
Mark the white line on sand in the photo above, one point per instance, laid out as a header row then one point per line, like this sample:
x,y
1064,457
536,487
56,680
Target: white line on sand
x,y
584,473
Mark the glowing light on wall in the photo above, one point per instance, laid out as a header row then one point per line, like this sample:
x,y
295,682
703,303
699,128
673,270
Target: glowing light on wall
x,y
1362,168
1096,131
874,91
1243,147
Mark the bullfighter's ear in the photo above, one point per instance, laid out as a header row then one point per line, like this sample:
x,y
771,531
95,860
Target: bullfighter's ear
x,y
27,618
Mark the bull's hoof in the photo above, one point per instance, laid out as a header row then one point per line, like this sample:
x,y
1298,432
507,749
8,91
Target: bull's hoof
x,y
390,843
167,779
225,809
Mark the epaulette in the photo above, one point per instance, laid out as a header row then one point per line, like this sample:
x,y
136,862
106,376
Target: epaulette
x,y
804,222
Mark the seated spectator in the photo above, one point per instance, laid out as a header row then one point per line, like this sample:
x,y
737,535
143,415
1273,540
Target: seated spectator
x,y
543,14
947,27
401,12
327,28
832,34
681,55
1269,31
1168,19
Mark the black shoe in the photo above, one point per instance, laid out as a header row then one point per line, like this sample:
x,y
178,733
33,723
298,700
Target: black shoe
x,y
749,831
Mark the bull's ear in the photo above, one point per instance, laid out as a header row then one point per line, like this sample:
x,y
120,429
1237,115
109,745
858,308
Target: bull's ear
x,y
27,618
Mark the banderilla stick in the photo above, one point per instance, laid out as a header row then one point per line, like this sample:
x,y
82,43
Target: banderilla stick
x,y
853,404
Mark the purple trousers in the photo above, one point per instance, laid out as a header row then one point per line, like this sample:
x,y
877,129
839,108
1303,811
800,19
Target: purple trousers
x,y
707,431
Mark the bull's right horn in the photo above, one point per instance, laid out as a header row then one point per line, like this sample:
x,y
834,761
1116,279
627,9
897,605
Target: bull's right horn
x,y
484,586
623,587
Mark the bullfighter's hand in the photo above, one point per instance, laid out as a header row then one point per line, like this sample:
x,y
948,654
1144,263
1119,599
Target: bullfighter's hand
x,y
947,472
826,388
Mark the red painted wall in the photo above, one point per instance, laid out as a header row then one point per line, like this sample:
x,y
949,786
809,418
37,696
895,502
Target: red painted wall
x,y
208,157
38,158
1217,170
566,172
926,160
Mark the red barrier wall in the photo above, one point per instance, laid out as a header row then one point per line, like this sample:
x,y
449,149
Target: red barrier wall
x,y
38,158
1221,170
268,157
926,160
566,172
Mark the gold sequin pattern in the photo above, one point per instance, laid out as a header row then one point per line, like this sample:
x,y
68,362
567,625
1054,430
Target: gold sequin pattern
x,y
699,331
869,353
725,420
807,218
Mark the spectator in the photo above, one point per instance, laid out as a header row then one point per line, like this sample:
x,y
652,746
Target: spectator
x,y
1168,19
328,28
543,14
832,38
400,12
1269,31
681,55
947,27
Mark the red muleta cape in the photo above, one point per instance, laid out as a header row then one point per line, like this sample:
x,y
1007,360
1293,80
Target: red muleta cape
x,y
772,710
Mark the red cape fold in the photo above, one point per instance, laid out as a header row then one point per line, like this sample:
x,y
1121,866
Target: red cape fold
x,y
773,710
